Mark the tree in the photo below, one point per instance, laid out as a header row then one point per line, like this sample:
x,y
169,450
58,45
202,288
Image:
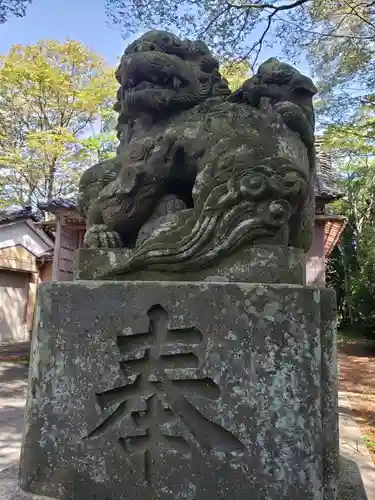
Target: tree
x,y
351,269
101,143
337,35
12,8
53,97
235,73
224,24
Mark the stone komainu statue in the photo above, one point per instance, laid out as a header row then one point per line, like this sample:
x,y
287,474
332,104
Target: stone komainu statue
x,y
201,172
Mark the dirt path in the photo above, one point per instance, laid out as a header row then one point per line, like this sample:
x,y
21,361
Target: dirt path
x,y
357,380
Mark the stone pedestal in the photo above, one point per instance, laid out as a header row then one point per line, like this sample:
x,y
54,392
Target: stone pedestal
x,y
182,390
269,264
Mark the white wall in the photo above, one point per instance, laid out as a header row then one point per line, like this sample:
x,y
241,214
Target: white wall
x,y
315,259
25,234
13,305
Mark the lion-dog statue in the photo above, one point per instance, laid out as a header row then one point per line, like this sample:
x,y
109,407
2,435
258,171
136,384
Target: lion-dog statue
x,y
201,171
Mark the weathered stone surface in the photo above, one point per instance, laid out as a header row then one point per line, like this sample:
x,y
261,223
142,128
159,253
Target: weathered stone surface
x,y
144,390
329,394
165,213
241,165
252,265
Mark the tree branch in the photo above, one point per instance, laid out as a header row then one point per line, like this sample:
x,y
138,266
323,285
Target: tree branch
x,y
214,19
270,6
363,19
260,42
322,35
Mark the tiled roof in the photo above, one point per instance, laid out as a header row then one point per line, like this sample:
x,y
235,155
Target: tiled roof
x,y
57,204
325,182
11,215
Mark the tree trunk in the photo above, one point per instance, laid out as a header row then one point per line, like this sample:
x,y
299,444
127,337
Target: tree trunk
x,y
346,285
51,180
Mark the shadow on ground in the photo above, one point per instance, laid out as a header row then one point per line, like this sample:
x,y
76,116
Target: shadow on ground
x,y
15,349
365,348
10,442
13,384
13,380
351,484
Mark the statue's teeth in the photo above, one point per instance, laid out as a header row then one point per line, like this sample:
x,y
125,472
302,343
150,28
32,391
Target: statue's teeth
x,y
176,83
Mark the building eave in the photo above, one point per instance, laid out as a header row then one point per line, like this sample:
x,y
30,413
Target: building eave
x,y
334,225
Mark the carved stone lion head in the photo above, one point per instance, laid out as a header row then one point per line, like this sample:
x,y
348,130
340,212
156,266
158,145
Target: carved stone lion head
x,y
160,73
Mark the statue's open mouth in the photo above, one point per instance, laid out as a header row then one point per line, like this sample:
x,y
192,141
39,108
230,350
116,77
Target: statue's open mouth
x,y
144,71
159,81
166,73
145,90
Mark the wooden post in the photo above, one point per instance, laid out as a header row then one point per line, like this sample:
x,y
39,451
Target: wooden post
x,y
31,301
315,258
56,253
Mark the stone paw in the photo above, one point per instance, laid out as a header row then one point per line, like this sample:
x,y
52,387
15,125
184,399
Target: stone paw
x,y
99,236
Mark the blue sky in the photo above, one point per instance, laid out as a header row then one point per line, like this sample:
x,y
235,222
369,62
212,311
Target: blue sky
x,y
83,20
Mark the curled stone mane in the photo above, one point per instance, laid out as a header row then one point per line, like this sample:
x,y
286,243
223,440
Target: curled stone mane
x,y
246,191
